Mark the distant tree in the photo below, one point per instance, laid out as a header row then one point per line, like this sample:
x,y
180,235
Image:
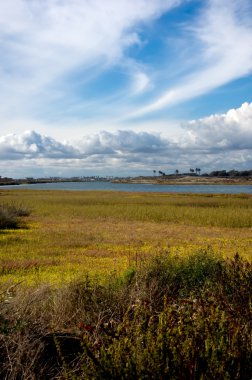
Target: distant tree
x,y
191,170
197,170
233,173
218,173
154,171
244,173
176,171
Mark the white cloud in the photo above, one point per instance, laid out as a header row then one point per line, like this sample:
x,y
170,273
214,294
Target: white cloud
x,y
214,142
32,144
42,40
122,143
229,131
223,34
49,47
141,82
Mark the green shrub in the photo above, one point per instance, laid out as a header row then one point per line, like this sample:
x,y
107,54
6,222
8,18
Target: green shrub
x,y
187,340
200,330
180,276
175,318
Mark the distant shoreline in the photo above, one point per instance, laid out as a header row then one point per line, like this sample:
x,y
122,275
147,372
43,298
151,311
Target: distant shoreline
x,y
176,180
185,180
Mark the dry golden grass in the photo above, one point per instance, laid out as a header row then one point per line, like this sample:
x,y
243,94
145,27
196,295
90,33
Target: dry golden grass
x,y
71,234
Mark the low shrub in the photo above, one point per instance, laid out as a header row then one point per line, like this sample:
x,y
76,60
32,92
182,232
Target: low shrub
x,y
191,320
175,318
10,215
180,276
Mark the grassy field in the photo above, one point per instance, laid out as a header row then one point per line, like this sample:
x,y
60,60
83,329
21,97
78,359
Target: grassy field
x,y
71,234
109,285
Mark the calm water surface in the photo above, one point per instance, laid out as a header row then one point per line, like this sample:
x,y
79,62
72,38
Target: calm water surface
x,y
212,189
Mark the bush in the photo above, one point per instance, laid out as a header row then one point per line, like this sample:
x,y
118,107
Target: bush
x,y
200,330
10,214
176,318
180,276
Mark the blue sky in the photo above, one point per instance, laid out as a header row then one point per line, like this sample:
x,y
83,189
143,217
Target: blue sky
x,y
124,87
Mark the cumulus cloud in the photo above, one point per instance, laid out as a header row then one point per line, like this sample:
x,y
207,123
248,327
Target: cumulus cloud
x,y
122,142
32,144
229,131
214,142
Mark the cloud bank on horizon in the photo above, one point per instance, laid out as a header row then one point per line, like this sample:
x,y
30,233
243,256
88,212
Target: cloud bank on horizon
x,y
212,141
124,86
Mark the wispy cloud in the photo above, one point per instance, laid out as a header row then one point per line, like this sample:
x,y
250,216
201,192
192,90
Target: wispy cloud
x,y
43,41
140,82
222,37
77,67
50,50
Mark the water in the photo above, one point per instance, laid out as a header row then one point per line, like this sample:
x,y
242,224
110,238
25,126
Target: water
x,y
80,186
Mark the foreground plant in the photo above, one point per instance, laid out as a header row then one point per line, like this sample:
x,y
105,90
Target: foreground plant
x,y
175,318
201,329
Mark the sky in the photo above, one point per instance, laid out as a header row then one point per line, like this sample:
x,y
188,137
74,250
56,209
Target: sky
x,y
124,87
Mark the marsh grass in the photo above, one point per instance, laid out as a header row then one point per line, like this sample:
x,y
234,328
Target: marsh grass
x,y
196,209
100,285
96,233
120,286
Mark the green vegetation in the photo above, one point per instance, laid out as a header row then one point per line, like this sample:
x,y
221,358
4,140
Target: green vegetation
x,y
175,318
107,285
69,234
